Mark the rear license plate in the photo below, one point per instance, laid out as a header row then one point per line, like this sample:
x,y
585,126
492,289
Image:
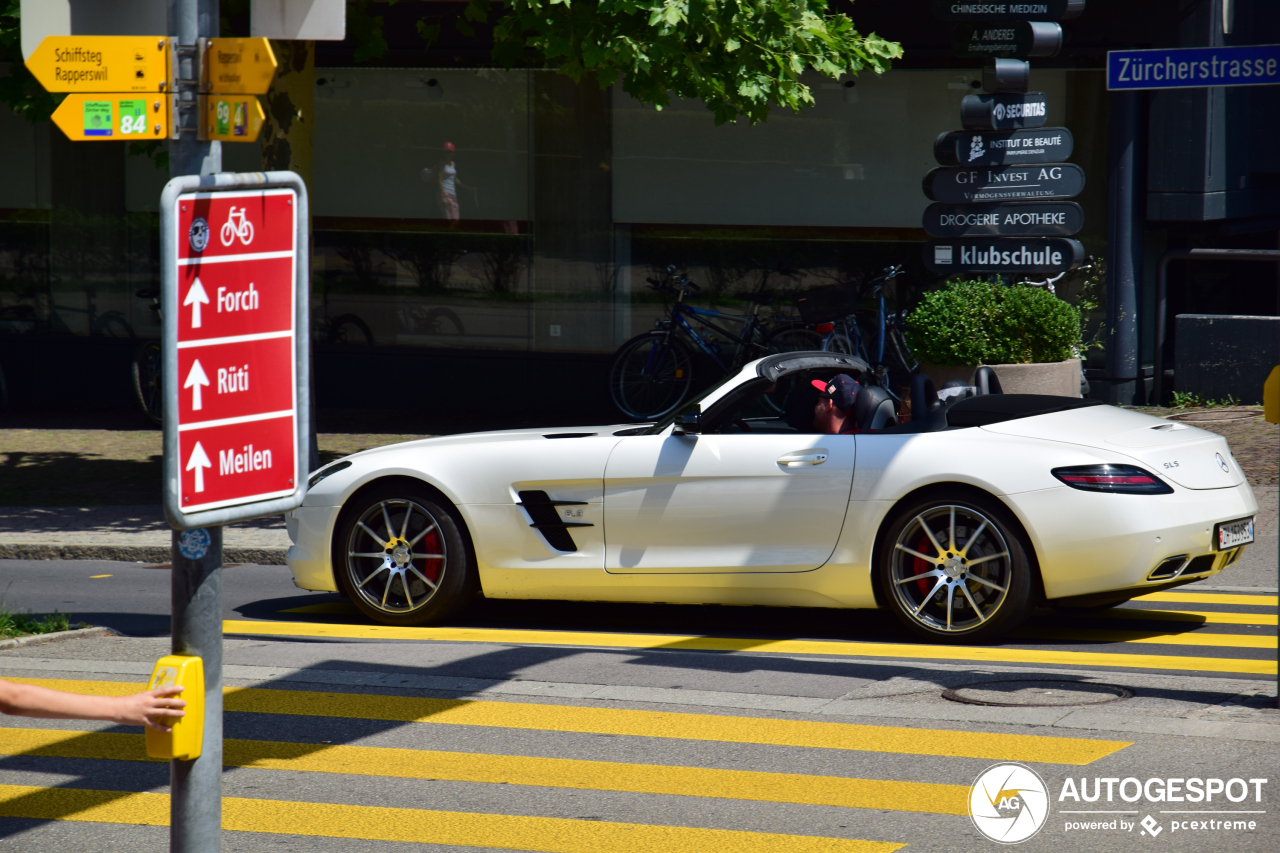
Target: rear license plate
x,y
1232,534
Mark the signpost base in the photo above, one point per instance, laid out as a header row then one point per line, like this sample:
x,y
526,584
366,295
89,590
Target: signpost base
x,y
195,799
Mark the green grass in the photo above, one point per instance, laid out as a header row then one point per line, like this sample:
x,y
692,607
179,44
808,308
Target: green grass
x,y
24,624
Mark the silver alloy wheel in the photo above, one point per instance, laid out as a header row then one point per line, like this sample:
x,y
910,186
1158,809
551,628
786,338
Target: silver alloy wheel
x,y
396,556
950,569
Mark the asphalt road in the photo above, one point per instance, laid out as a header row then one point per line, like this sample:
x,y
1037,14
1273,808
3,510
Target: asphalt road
x,y
521,727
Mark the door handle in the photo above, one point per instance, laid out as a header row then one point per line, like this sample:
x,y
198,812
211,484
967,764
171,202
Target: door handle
x,y
795,460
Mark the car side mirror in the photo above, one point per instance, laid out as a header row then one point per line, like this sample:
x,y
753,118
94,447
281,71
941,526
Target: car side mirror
x,y
690,423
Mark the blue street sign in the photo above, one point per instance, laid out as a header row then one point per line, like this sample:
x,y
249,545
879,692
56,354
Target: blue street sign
x,y
1194,67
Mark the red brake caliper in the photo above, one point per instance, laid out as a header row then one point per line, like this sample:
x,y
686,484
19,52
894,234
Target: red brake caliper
x,y
431,545
922,566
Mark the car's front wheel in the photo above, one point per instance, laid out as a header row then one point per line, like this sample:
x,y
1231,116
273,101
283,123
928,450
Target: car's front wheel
x,y
954,567
400,555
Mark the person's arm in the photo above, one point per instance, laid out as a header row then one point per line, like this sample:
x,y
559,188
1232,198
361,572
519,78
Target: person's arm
x,y
150,708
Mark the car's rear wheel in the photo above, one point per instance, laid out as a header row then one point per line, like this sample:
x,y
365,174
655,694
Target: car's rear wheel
x,y
401,556
954,567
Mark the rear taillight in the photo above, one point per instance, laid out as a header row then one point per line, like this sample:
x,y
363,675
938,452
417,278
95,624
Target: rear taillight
x,y
824,328
1121,479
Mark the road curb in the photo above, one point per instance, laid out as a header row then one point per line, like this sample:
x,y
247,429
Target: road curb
x,y
54,636
132,553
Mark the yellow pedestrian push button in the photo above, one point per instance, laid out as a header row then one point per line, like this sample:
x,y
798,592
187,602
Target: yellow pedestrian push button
x,y
186,736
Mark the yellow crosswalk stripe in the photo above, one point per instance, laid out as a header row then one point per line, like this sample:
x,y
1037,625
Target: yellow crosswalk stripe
x,y
415,826
1191,638
384,762
968,654
631,723
1251,600
1208,617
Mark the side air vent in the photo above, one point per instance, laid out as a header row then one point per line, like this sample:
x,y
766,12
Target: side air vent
x,y
1199,565
547,521
1168,568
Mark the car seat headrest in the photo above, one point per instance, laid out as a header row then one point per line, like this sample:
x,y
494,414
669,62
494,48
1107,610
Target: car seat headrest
x,y
874,409
924,397
986,381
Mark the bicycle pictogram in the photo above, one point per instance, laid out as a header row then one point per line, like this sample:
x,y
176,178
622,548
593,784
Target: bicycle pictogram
x,y
236,226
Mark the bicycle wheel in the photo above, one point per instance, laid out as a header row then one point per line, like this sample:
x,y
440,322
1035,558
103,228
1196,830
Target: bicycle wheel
x,y
837,342
146,380
651,375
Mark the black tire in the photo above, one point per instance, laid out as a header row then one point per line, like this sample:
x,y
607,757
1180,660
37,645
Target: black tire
x,y
147,389
645,389
349,329
376,582
979,610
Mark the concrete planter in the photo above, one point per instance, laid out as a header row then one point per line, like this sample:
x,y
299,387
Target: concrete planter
x,y
1059,378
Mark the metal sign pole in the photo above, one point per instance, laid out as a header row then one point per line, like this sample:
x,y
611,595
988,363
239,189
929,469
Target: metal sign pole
x,y
195,797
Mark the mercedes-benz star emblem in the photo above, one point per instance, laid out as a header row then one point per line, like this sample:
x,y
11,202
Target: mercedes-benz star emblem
x,y
1222,463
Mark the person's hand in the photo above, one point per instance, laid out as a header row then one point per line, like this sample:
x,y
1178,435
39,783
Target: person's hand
x,y
152,708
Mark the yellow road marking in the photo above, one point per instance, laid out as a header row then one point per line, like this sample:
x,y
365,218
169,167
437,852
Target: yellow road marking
x,y
968,654
521,770
1211,598
95,577
377,823
1208,617
339,607
660,724
1237,641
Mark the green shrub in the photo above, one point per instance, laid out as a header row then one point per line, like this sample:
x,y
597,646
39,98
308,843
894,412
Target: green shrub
x,y
977,322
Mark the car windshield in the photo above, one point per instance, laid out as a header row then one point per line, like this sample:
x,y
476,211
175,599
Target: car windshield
x,y
688,406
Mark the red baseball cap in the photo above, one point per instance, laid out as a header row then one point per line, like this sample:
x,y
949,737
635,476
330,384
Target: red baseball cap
x,y
448,146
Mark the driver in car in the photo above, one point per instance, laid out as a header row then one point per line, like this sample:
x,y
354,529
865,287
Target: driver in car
x,y
833,413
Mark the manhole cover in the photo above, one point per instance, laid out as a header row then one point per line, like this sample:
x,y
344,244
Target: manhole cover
x,y
1220,415
1024,693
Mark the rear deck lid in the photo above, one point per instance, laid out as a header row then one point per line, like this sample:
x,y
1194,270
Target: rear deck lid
x,y
1190,457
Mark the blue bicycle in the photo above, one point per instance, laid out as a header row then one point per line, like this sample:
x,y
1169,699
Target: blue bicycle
x,y
833,312
652,373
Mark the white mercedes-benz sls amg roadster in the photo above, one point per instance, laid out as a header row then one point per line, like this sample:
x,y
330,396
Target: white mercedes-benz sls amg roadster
x,y
961,520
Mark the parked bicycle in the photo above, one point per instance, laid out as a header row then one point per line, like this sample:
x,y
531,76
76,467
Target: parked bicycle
x,y
843,334
652,373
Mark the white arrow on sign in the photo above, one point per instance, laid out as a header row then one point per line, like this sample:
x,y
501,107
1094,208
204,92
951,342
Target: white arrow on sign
x,y
195,379
199,461
195,297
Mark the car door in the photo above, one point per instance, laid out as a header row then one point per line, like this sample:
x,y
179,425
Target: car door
x,y
746,502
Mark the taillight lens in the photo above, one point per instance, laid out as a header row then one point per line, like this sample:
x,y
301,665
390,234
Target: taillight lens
x,y
1121,479
824,328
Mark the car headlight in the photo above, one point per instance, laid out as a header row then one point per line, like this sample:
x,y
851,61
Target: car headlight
x,y
325,472
1118,479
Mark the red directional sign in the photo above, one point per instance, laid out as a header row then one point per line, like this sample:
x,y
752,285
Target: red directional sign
x,y
237,372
